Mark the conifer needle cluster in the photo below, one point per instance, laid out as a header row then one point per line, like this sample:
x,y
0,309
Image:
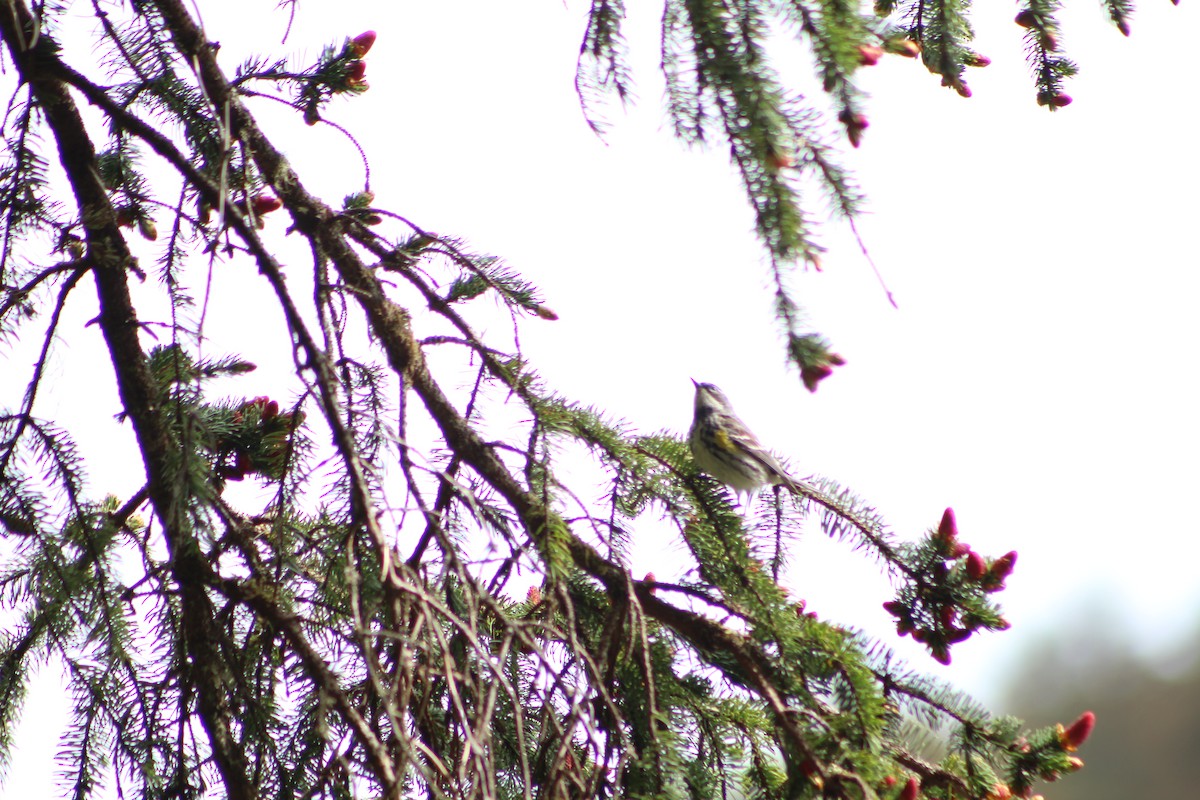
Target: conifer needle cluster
x,y
423,598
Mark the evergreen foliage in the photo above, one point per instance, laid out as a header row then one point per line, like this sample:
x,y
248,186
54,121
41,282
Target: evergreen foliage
x,y
307,647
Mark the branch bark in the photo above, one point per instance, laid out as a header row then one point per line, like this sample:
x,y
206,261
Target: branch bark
x,y
391,324
109,259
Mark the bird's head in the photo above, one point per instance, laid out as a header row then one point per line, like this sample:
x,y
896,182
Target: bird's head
x,y
709,397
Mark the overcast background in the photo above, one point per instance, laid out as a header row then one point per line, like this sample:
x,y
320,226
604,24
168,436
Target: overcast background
x,y
1038,375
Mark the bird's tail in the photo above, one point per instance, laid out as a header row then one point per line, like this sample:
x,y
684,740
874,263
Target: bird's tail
x,y
802,488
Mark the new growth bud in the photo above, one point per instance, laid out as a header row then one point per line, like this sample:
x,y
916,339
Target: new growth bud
x,y
651,583
813,374
855,125
903,47
1055,100
361,44
147,229
1077,733
869,54
812,771
947,530
779,156
947,615
1002,567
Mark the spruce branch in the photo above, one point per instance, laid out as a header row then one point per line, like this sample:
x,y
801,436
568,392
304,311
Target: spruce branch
x,y
296,651
602,63
118,322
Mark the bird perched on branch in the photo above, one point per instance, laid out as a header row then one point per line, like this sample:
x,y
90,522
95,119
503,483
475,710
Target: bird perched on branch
x,y
727,450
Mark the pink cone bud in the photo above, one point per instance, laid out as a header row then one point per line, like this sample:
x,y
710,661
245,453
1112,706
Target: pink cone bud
x,y
947,529
869,54
1002,567
362,43
778,157
956,635
910,790
947,614
265,204
976,568
903,47
811,375
855,125
1078,732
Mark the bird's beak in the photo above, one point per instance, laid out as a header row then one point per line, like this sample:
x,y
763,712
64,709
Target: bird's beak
x,y
695,383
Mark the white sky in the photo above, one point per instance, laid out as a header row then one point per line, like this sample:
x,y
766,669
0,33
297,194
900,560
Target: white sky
x,y
1038,375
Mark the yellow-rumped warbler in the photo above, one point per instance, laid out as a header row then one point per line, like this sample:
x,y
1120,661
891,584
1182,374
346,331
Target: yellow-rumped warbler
x,y
726,449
